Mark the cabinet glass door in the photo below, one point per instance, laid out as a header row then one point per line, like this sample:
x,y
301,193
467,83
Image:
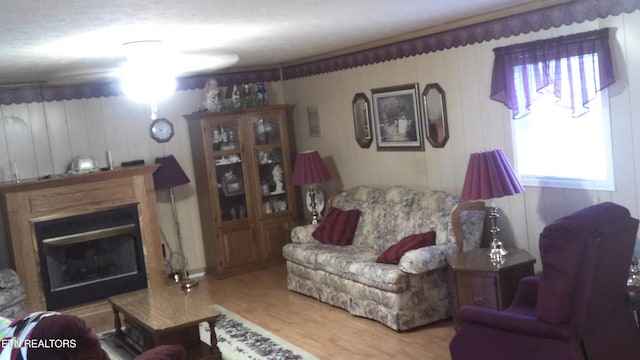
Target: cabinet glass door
x,y
271,166
266,131
229,171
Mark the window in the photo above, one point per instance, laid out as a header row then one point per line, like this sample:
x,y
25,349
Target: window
x,y
555,149
561,125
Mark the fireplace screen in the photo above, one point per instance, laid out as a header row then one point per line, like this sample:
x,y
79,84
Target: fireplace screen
x,y
90,257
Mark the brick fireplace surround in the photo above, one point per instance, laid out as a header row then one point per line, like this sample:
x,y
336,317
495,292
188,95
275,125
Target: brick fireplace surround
x,y
31,201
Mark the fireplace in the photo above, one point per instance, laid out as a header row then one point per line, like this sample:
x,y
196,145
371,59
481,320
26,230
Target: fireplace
x,y
90,257
41,203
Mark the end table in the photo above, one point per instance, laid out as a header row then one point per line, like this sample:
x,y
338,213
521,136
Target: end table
x,y
634,301
475,281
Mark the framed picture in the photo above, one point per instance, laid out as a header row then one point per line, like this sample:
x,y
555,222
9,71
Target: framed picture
x,y
362,120
396,118
435,115
314,121
232,187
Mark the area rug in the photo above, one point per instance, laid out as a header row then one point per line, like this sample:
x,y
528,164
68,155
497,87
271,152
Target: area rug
x,y
238,339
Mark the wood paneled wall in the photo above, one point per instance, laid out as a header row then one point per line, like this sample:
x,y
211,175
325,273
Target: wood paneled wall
x,y
476,123
44,137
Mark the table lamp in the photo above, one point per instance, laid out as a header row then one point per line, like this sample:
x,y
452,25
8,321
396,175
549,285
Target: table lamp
x,y
166,177
310,169
490,176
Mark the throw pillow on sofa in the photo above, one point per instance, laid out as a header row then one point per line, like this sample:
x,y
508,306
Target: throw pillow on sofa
x,y
338,227
393,254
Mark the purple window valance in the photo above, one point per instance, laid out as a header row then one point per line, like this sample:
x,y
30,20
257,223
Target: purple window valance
x,y
520,71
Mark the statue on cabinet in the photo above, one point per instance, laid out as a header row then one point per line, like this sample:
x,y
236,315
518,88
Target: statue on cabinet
x,y
212,96
276,175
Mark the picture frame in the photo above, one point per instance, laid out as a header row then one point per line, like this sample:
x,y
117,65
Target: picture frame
x,y
232,187
397,118
362,120
436,125
314,121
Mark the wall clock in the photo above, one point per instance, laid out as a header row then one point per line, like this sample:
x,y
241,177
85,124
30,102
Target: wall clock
x,y
161,130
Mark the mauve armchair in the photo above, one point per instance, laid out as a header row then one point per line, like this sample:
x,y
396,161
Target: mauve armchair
x,y
578,308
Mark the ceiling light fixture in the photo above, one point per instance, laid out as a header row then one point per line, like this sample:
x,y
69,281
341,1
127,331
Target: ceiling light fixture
x,y
149,74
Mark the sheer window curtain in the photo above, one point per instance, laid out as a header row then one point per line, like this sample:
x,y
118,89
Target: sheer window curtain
x,y
574,67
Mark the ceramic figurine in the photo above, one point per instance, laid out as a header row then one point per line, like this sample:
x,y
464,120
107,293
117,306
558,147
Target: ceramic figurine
x,y
235,97
212,96
276,174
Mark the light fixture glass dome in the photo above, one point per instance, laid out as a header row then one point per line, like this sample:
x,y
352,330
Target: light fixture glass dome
x,y
149,74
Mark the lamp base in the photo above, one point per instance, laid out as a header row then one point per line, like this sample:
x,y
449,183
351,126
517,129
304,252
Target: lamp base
x,y
497,252
188,284
634,274
182,277
315,203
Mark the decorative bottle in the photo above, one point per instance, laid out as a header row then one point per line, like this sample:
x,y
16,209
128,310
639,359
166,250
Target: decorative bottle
x,y
262,94
235,97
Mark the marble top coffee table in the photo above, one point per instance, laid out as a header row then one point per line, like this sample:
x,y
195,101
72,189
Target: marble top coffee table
x,y
164,316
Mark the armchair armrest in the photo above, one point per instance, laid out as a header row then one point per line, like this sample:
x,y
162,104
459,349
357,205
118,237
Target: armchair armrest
x,y
514,323
302,234
426,259
527,293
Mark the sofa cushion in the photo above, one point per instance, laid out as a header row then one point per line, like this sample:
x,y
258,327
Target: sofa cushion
x,y
358,263
338,227
391,213
393,254
305,254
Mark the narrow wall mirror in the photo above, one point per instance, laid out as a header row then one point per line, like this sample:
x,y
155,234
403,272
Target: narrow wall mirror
x,y
436,124
362,120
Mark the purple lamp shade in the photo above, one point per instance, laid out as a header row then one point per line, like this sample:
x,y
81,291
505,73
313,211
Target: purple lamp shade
x,y
489,176
169,174
309,169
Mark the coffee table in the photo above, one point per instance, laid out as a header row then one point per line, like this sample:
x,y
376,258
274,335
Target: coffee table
x,y
164,316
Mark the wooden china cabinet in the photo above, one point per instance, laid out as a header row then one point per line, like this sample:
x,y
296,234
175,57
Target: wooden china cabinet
x,y
243,165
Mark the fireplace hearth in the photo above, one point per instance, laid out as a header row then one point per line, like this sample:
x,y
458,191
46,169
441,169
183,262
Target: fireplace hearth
x,y
90,257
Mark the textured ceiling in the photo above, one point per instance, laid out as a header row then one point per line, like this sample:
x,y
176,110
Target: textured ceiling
x,y
75,41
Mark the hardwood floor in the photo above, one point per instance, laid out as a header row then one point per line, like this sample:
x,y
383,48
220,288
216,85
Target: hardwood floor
x,y
321,329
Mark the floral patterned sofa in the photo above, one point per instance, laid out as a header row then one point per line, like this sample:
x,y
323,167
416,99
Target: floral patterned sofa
x,y
412,293
11,294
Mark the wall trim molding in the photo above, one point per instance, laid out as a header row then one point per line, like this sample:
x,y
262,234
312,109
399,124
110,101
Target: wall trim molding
x,y
29,94
511,25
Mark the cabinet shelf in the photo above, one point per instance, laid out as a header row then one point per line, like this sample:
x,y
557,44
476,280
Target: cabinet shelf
x,y
219,153
267,146
227,162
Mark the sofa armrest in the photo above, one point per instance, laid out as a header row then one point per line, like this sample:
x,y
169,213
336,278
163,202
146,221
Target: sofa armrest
x,y
8,279
302,234
426,259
